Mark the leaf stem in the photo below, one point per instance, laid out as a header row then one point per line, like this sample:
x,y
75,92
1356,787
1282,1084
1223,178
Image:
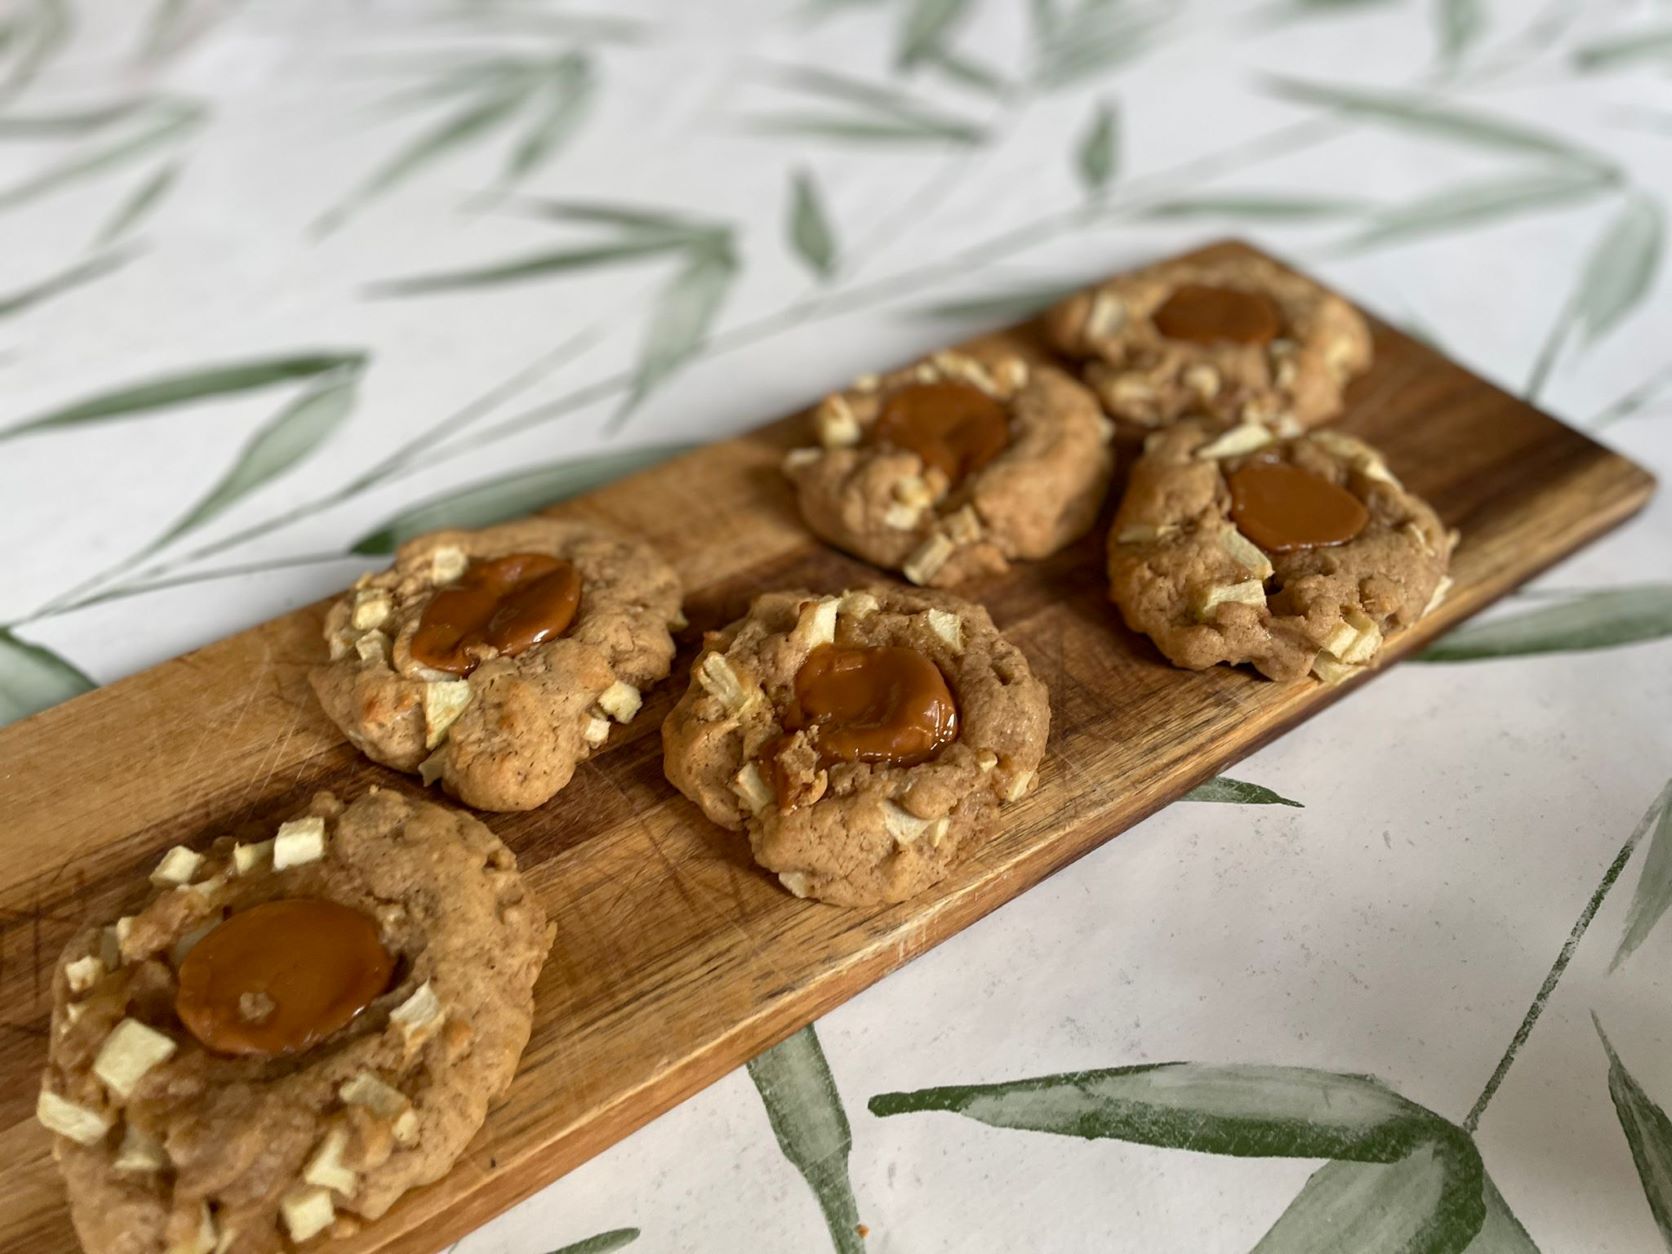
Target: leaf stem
x,y
1531,1018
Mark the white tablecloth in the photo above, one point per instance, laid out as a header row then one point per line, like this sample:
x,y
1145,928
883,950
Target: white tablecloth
x,y
359,256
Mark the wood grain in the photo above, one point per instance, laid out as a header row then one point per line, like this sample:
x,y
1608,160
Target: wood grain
x,y
675,959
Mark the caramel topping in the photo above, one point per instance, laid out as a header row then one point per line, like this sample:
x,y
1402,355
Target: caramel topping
x,y
1283,508
280,977
954,427
1217,315
509,604
873,704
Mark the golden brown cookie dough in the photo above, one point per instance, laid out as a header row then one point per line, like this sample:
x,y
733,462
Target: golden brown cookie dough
x,y
306,1117
843,829
1238,338
509,734
1296,555
955,467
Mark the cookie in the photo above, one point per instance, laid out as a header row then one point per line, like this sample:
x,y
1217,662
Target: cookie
x,y
496,660
863,741
1296,555
955,467
1238,338
291,1033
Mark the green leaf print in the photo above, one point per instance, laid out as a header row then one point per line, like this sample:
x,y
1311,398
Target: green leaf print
x,y
157,125
848,109
806,1114
1412,112
31,34
1628,49
33,677
66,280
1501,1233
1002,306
189,387
1430,1201
1654,885
493,501
603,1243
298,430
810,231
1605,619
1477,203
1097,157
685,311
139,205
1458,26
552,93
532,266
1245,1111
1618,274
1237,792
1649,1134
1256,206
72,123
926,27
1090,39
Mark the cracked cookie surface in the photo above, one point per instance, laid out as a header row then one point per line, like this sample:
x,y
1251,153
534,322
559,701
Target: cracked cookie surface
x,y
508,734
1018,481
1238,338
1184,574
168,1144
855,832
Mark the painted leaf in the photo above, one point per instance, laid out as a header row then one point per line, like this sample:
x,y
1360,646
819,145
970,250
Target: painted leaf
x,y
967,72
810,232
1459,25
1246,1111
630,219
1260,206
865,130
164,123
1501,1232
451,133
806,1114
566,96
70,123
603,1243
684,312
1642,45
30,36
189,388
1621,268
1098,155
1649,1134
1476,203
1094,40
1590,620
1408,111
926,27
1428,1202
33,677
138,206
297,431
96,267
496,500
1654,885
533,266
1003,306
1237,792
1635,398
856,110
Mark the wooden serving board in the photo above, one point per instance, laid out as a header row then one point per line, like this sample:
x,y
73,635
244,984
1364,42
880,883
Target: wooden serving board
x,y
676,960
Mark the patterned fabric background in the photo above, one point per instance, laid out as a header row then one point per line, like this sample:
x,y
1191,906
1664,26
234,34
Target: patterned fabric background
x,y
288,281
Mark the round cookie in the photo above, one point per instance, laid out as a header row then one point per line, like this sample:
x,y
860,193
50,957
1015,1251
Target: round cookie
x,y
955,467
1238,338
298,1116
867,789
504,728
1296,555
